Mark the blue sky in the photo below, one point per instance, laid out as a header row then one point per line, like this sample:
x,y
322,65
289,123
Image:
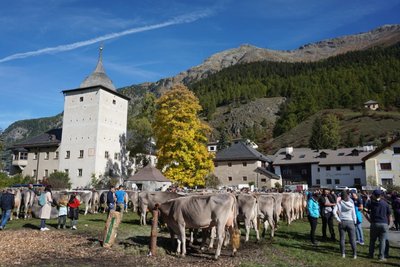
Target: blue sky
x,y
48,46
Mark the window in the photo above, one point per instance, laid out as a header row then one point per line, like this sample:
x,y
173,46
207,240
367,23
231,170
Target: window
x,y
318,170
304,171
229,178
263,180
387,181
35,155
363,166
229,164
396,150
337,181
328,181
46,173
302,156
81,99
328,168
24,156
116,156
244,164
212,148
215,164
56,155
68,154
66,171
351,168
106,154
54,171
357,181
34,173
244,178
79,172
46,155
318,181
80,154
264,164
338,168
386,166
114,101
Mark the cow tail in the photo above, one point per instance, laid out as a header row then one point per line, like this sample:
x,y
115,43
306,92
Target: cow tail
x,y
236,231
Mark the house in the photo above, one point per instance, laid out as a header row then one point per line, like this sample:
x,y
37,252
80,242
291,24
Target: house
x,y
241,164
148,179
383,164
323,168
371,104
90,143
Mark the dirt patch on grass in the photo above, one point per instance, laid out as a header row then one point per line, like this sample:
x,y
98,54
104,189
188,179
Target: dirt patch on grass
x,y
28,247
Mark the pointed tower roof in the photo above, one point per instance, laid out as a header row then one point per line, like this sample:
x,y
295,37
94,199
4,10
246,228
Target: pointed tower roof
x,y
98,76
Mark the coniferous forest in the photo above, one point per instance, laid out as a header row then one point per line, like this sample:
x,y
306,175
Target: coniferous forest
x,y
344,81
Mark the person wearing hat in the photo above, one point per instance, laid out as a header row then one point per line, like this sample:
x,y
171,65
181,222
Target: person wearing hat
x,y
345,214
378,214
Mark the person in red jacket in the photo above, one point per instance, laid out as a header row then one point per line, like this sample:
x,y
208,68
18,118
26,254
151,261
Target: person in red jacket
x,y
73,213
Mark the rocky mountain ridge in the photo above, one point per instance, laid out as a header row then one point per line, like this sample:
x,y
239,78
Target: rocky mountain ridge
x,y
385,35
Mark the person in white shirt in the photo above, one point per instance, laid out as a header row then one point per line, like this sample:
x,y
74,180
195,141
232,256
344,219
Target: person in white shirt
x,y
345,214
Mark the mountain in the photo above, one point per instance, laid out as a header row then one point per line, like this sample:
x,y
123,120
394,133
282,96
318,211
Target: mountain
x,y
382,36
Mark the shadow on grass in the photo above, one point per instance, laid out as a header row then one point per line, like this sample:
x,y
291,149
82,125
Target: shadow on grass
x,y
31,226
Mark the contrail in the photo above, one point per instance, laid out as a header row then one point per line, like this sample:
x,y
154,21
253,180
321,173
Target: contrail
x,y
177,20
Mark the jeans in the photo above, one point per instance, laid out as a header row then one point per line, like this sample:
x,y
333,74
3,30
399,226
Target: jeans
x,y
62,220
327,220
359,233
313,224
379,230
5,216
349,227
42,223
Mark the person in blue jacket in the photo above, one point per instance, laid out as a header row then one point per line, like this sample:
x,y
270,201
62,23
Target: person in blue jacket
x,y
313,215
6,204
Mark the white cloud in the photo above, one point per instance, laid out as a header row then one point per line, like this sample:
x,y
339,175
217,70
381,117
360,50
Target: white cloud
x,y
187,18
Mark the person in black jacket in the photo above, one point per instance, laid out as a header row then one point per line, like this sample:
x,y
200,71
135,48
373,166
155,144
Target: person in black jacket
x,y
6,204
111,199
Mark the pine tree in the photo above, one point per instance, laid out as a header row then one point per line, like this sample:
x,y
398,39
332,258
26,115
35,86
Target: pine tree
x,y
325,133
181,138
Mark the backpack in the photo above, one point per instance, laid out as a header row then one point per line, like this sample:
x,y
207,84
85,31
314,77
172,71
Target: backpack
x,y
42,199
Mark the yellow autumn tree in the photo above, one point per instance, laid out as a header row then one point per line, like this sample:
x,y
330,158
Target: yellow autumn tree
x,y
181,138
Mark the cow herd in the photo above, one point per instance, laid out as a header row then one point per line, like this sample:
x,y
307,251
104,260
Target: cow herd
x,y
217,214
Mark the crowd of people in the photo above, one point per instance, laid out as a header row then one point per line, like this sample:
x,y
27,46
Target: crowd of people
x,y
349,208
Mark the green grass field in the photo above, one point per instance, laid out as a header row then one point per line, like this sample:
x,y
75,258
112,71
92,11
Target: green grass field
x,y
290,247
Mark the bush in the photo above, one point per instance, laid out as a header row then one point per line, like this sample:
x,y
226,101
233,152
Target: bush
x,y
8,181
58,180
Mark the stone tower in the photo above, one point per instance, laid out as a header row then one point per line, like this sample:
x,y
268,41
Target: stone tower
x,y
94,121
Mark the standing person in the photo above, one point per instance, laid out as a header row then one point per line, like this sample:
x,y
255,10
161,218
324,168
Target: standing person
x,y
45,210
378,214
111,199
120,195
345,214
358,206
7,204
396,210
313,215
62,213
327,202
73,214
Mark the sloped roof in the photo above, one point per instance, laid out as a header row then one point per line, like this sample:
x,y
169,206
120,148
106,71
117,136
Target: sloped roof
x,y
49,138
98,76
240,151
381,148
148,173
267,173
370,102
341,156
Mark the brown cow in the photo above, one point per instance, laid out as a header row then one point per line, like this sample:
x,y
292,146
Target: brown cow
x,y
248,211
200,212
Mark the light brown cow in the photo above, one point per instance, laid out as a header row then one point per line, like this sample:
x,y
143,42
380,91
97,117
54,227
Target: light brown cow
x,y
287,206
17,203
133,197
247,211
199,212
147,201
266,210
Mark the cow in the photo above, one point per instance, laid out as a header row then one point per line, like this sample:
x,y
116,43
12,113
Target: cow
x,y
17,203
148,200
248,211
95,202
287,206
266,210
85,197
133,197
28,196
202,212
